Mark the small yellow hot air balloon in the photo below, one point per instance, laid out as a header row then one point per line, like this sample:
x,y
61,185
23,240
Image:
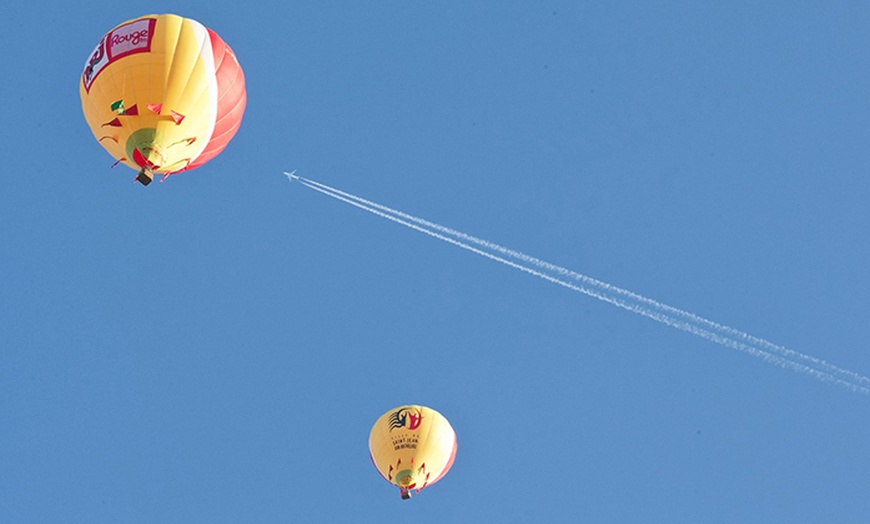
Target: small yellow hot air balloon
x,y
412,447
162,94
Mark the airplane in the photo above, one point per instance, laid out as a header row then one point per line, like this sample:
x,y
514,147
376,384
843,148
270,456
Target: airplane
x,y
292,175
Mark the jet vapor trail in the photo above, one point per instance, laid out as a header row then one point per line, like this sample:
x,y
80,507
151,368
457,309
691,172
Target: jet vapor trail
x,y
644,306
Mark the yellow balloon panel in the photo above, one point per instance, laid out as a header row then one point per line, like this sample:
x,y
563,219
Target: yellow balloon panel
x,y
149,92
412,446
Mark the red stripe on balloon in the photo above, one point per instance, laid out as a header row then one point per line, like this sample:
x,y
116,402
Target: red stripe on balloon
x,y
231,100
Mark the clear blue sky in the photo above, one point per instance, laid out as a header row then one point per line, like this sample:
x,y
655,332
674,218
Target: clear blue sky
x,y
216,348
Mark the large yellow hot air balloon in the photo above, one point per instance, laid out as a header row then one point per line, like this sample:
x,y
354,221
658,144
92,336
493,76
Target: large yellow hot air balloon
x,y
412,447
162,94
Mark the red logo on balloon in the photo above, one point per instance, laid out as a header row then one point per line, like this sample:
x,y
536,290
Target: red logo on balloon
x,y
408,418
132,37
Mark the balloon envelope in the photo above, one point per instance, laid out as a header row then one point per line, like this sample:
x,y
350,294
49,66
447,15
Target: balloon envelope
x,y
162,93
412,447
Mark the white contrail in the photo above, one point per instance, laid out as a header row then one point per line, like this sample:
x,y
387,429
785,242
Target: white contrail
x,y
608,288
668,315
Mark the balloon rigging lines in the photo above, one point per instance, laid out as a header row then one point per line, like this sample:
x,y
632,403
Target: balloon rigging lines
x,y
668,315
